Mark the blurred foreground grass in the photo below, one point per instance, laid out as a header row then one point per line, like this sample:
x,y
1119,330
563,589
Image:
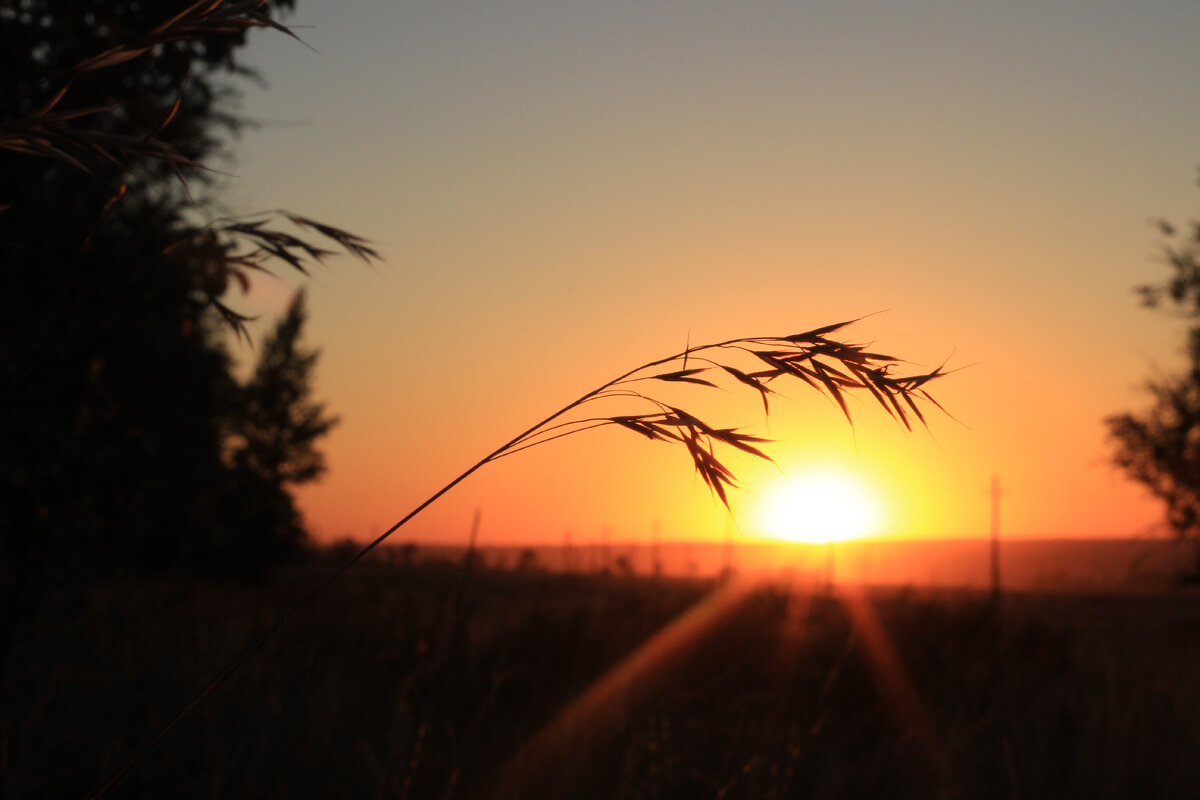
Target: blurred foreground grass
x,y
409,681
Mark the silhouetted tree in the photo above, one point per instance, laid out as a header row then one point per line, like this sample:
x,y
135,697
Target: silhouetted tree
x,y
118,406
115,384
274,433
1160,447
271,441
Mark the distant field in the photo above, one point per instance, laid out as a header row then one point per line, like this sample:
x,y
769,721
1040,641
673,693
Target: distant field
x,y
425,682
1034,564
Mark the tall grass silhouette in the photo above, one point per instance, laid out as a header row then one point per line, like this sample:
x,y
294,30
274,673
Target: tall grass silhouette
x,y
61,133
828,366
65,135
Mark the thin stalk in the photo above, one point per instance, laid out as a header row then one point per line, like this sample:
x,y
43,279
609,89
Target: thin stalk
x,y
669,423
226,672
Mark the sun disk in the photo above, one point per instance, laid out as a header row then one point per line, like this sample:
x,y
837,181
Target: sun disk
x,y
819,507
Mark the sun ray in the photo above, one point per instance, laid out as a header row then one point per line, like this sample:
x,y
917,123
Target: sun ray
x,y
892,677
598,714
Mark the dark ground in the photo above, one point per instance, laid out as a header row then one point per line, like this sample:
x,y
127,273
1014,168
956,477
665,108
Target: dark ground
x,y
407,682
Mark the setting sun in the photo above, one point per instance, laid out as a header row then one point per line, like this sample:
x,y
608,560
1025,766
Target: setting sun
x,y
820,506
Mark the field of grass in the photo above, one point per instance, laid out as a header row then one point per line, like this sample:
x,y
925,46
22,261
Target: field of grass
x,y
412,682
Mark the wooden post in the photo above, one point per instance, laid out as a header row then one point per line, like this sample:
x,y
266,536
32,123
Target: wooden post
x,y
995,550
605,566
727,550
656,551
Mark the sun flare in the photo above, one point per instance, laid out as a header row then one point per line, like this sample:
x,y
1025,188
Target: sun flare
x,y
820,506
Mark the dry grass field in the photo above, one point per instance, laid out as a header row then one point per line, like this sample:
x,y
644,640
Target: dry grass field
x,y
412,682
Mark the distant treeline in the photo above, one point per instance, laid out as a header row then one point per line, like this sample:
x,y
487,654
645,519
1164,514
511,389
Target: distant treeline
x,y
1029,564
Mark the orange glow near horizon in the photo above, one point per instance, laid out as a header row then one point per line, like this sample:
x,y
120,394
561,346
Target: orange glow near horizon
x,y
819,506
548,222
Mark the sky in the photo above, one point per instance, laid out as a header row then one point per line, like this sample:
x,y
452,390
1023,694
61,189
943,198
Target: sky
x,y
562,191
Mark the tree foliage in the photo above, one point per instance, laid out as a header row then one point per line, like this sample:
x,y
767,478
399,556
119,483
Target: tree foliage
x,y
118,407
270,445
1160,447
275,431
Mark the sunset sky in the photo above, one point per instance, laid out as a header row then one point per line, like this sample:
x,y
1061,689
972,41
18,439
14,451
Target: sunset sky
x,y
565,190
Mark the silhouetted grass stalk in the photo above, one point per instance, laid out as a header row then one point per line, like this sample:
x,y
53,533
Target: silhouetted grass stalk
x,y
53,133
830,367
56,131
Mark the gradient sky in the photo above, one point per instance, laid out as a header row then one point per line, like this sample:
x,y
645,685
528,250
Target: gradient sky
x,y
565,190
